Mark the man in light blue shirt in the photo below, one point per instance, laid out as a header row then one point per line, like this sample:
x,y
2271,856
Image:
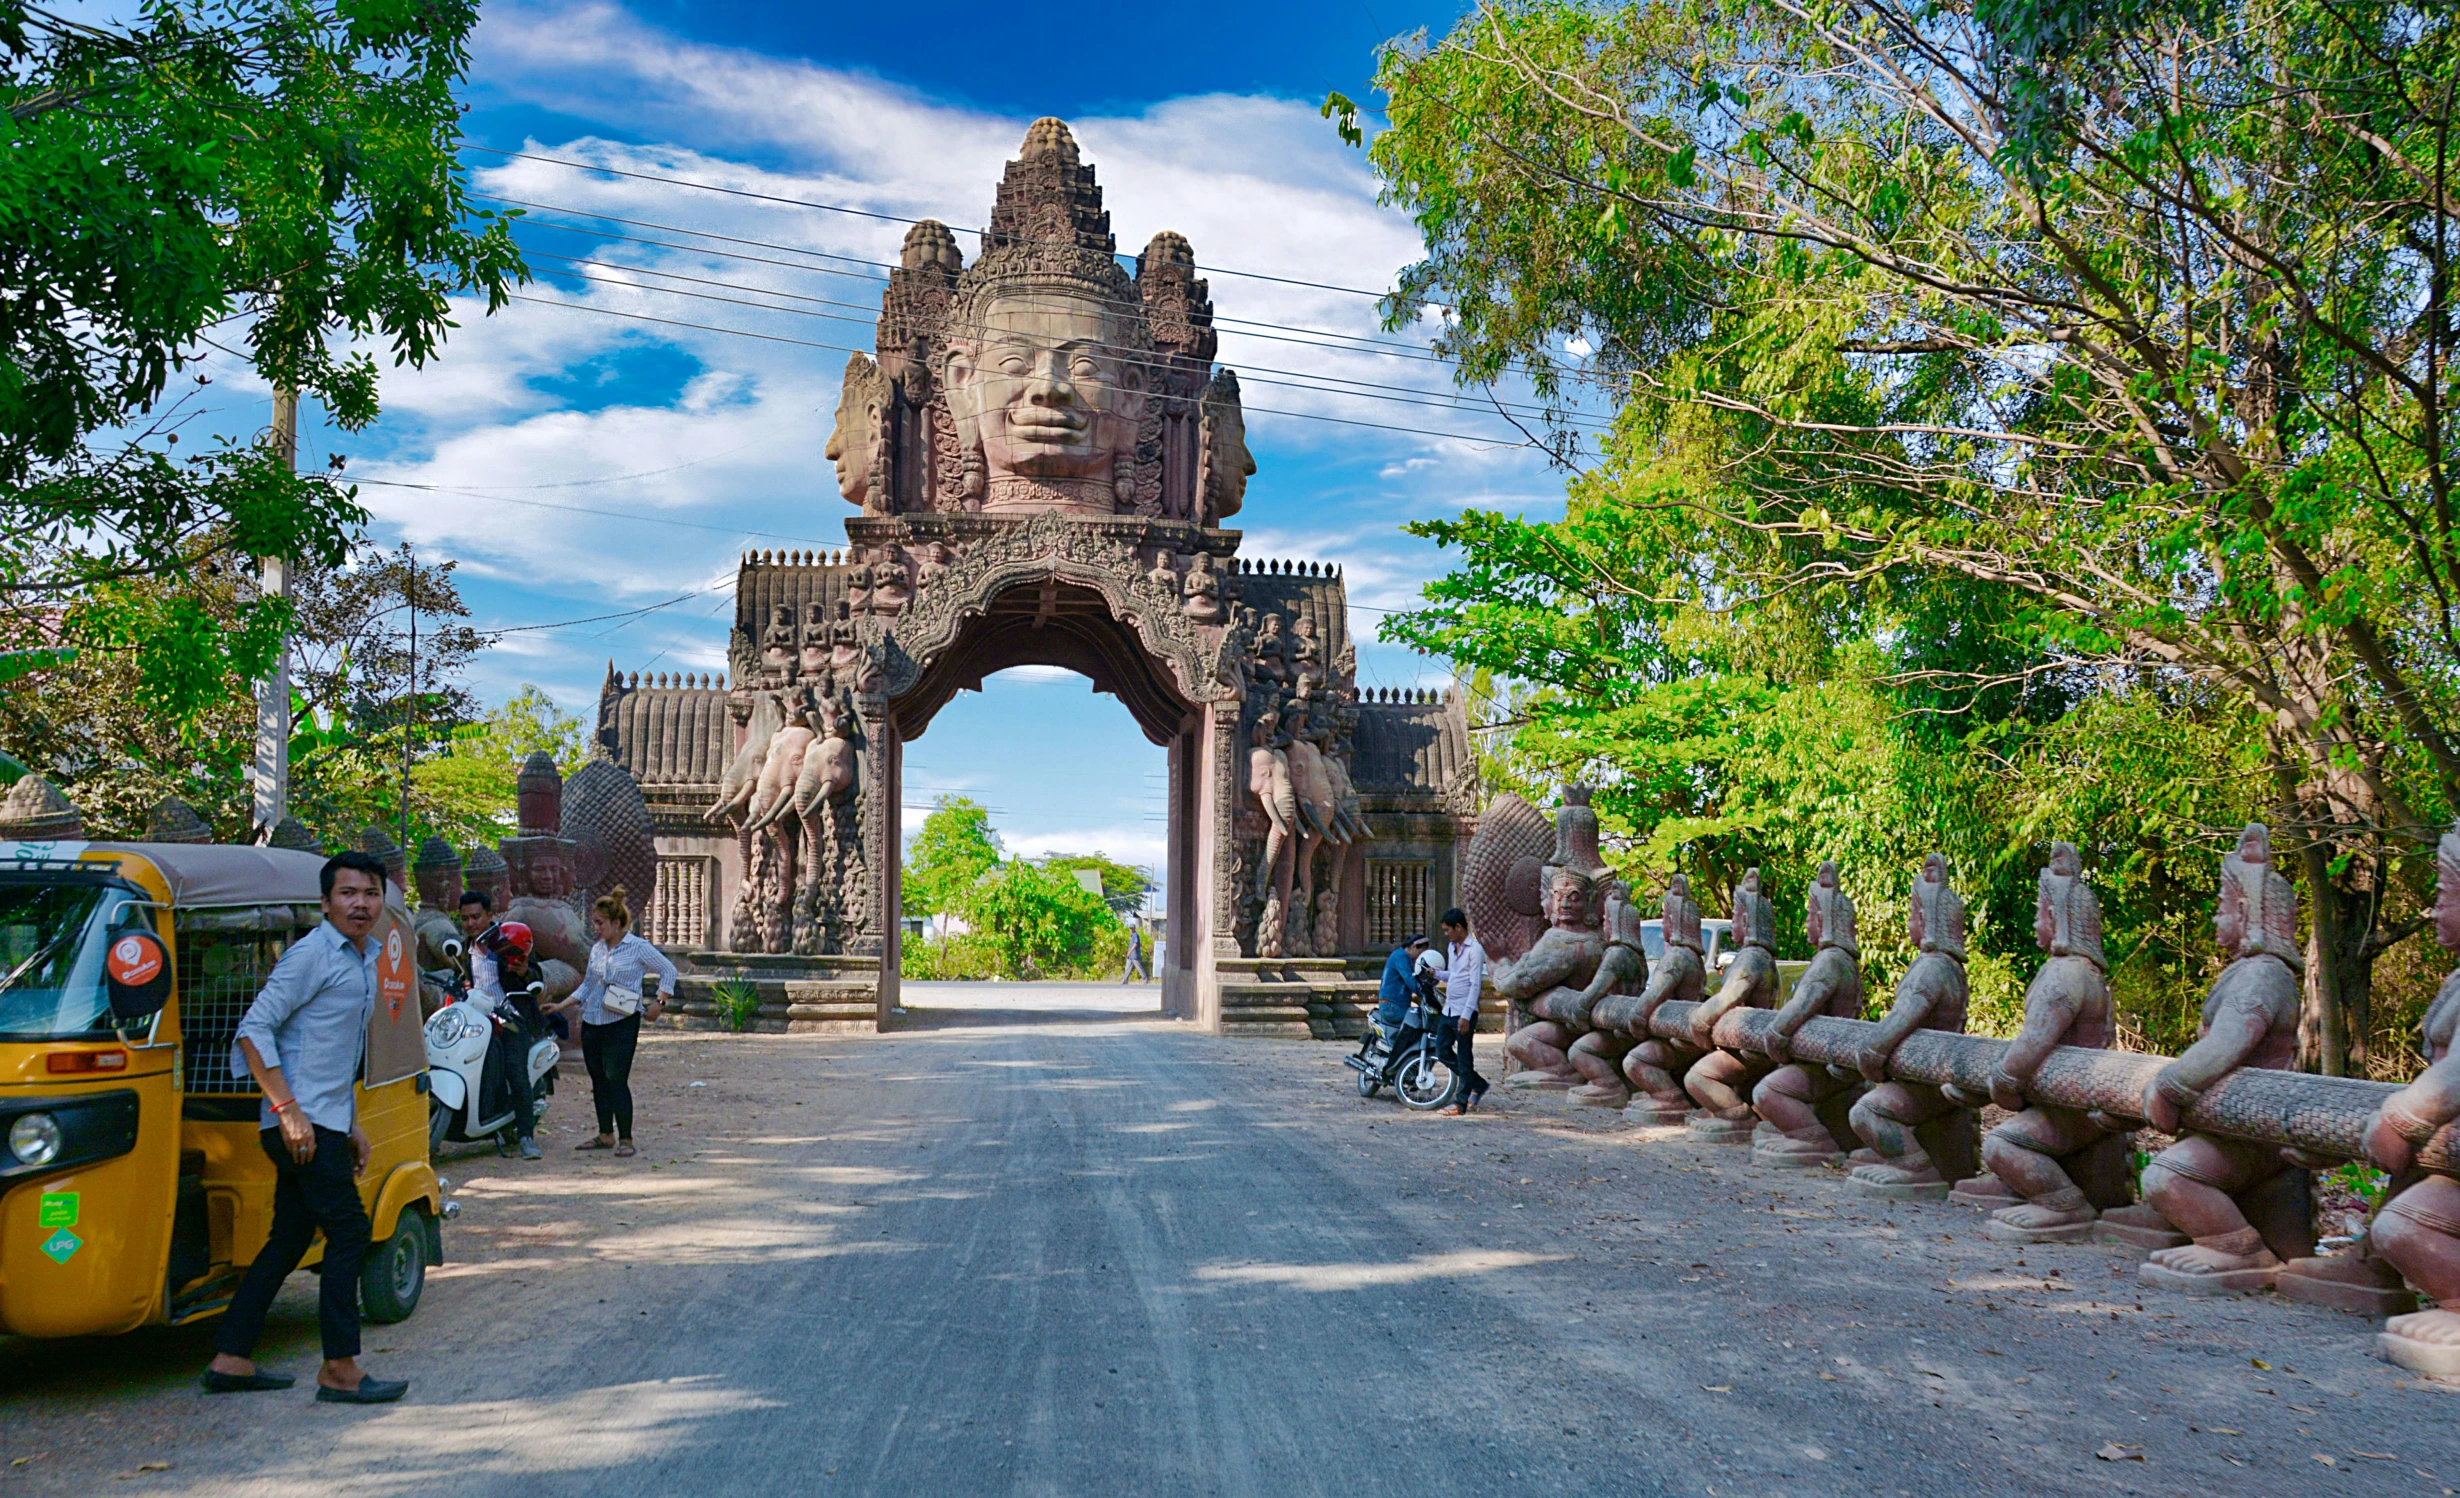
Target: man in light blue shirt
x,y
303,1040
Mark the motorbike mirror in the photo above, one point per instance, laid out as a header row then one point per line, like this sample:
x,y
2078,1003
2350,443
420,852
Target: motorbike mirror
x,y
539,988
451,946
139,974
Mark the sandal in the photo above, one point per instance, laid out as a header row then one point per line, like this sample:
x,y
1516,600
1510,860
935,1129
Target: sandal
x,y
593,1143
623,1150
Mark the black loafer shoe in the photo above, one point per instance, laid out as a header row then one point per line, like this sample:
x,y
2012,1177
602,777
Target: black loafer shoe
x,y
369,1391
243,1383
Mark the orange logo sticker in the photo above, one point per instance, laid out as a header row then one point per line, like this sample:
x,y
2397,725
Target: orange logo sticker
x,y
133,961
393,971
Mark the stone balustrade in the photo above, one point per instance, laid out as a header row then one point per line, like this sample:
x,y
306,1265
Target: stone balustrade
x,y
2323,1118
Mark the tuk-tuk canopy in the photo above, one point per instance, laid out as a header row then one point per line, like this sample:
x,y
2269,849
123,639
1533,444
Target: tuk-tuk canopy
x,y
203,875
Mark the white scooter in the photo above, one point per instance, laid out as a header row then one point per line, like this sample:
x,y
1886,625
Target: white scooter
x,y
459,1037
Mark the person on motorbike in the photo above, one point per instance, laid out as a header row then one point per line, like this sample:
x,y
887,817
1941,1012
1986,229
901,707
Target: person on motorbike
x,y
1393,996
501,986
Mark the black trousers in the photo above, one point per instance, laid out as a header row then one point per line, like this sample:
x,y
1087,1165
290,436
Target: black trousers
x,y
320,1196
512,1049
607,1051
1456,1044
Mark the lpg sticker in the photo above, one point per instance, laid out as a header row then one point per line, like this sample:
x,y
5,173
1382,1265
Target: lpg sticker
x,y
62,1246
134,961
393,972
57,1209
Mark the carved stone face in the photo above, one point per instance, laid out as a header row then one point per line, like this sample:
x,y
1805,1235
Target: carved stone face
x,y
2229,916
1046,388
858,422
546,873
1569,904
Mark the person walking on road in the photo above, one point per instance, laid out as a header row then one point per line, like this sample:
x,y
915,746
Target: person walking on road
x,y
302,1041
611,1009
1464,978
1135,964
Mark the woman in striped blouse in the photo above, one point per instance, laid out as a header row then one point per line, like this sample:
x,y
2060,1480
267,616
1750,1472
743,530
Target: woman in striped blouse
x,y
612,1003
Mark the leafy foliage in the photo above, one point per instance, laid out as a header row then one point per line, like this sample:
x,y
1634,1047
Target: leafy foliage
x,y
280,173
1980,376
1038,920
954,847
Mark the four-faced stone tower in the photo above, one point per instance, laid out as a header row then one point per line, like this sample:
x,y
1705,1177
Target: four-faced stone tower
x,y
1043,453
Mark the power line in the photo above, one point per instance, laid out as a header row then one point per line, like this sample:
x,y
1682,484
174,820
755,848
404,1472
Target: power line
x,y
890,218
540,504
1384,347
671,322
1408,395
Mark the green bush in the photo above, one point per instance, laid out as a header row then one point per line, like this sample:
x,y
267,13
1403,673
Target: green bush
x,y
737,1003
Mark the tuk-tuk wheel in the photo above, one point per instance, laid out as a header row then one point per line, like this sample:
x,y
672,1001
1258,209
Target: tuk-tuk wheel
x,y
395,1273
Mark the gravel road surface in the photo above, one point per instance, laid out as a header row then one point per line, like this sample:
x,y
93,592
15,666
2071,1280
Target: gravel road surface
x,y
1039,1242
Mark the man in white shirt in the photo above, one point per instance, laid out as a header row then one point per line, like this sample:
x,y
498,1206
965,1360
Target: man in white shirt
x,y
1464,980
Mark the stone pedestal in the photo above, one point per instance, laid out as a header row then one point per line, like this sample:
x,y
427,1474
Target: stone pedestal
x,y
798,995
1296,998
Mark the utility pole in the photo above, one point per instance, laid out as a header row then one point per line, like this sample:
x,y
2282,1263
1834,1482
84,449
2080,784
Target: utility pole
x,y
273,697
410,699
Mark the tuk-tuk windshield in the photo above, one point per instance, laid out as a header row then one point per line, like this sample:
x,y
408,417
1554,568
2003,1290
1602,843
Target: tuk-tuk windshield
x,y
53,935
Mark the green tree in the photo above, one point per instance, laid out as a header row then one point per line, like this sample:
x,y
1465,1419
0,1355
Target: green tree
x,y
954,847
1123,888
2116,338
466,794
1038,919
285,165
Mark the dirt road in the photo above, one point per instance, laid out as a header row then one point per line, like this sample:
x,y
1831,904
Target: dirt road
x,y
1031,1247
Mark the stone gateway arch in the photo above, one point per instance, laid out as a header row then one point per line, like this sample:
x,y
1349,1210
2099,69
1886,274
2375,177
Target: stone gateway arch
x,y
1044,454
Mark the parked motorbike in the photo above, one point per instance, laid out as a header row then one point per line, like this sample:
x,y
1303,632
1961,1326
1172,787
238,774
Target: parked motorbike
x,y
467,1101
1403,1057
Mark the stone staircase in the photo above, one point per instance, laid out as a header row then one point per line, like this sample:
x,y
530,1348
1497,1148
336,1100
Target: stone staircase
x,y
1297,998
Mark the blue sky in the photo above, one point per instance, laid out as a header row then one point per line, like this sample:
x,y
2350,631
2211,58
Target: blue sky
x,y
578,463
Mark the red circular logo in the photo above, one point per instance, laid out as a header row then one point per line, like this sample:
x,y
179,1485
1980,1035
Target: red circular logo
x,y
134,961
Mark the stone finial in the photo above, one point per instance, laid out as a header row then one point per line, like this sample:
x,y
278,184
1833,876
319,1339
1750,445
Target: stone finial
x,y
929,246
35,811
485,868
175,821
392,855
1050,137
293,834
538,795
438,871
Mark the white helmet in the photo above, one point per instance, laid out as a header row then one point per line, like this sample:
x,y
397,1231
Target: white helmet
x,y
1431,962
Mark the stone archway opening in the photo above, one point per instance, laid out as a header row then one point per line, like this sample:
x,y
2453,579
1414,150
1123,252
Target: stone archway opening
x,y
1070,627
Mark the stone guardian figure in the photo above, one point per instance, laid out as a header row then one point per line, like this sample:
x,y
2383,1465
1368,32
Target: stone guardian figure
x,y
1910,1124
1656,1065
2067,1003
1797,1103
2418,1230
1721,1081
2225,1193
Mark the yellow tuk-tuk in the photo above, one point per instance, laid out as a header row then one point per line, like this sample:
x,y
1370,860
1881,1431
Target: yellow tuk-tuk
x,y
133,1191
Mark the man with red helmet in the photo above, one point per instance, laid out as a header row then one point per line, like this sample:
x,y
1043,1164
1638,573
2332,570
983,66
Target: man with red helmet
x,y
505,987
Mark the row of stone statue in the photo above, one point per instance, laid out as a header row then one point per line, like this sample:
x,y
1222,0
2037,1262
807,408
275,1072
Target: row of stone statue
x,y
1302,728
1807,1084
790,797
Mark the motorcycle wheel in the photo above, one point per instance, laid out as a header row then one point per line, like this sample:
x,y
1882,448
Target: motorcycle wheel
x,y
439,1124
1423,1083
1369,1084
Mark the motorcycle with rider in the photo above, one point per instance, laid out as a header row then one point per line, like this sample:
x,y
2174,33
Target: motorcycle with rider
x,y
1399,1049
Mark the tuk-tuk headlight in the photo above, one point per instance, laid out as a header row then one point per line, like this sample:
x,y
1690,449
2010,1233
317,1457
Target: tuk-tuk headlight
x,y
35,1139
